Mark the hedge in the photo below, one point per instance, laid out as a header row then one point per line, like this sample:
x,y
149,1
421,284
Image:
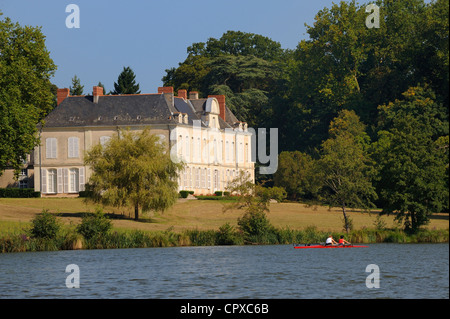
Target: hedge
x,y
18,193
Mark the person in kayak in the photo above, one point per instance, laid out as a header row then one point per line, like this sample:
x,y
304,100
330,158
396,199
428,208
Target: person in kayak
x,y
342,241
330,241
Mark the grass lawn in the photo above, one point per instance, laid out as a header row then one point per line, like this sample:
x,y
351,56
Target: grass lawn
x,y
16,214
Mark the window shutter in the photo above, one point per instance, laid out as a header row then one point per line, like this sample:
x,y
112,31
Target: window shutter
x,y
48,148
53,147
82,182
66,180
44,181
76,147
60,180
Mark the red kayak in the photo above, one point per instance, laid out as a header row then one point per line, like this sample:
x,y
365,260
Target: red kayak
x,y
327,246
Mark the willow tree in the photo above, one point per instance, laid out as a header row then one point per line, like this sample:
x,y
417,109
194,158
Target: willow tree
x,y
133,170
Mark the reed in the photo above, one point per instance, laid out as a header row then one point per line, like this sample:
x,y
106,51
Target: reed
x,y
68,238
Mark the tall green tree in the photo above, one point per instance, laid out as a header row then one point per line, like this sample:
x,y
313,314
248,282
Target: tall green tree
x,y
126,83
76,88
296,175
133,170
242,66
25,90
345,168
412,158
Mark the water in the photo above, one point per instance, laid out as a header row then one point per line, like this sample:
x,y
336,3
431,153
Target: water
x,y
259,272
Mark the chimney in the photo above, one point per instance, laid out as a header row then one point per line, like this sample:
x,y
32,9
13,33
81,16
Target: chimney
x,y
165,89
221,100
168,94
61,95
193,95
97,92
182,94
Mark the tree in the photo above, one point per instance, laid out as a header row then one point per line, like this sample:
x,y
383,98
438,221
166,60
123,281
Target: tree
x,y
76,88
242,66
126,83
25,90
345,169
412,158
296,175
135,170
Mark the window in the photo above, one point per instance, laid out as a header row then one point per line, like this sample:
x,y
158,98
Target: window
x,y
203,177
208,179
74,180
180,147
227,151
199,150
23,183
197,177
216,155
216,179
51,181
188,149
50,147
233,150
104,140
73,147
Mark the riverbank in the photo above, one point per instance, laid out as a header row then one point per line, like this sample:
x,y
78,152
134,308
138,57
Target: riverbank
x,y
70,240
199,223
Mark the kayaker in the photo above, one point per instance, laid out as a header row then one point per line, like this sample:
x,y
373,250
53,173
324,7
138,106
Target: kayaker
x,y
342,241
330,241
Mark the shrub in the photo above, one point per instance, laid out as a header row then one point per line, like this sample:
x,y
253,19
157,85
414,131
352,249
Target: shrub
x,y
94,225
18,193
218,193
257,228
227,236
184,194
45,226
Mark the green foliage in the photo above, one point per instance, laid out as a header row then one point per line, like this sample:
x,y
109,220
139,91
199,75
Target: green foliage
x,y
126,83
25,90
18,193
76,88
296,175
134,170
184,194
94,225
45,225
227,235
256,227
412,166
344,168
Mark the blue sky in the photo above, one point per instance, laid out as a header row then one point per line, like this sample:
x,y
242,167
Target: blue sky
x,y
150,36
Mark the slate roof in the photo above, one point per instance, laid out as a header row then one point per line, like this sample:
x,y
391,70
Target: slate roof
x,y
122,110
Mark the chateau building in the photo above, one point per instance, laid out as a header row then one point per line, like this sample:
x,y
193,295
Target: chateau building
x,y
203,133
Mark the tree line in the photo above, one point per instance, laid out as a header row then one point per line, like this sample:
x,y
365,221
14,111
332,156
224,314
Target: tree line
x,y
362,114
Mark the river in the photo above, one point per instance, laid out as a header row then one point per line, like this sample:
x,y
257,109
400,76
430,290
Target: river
x,y
257,272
